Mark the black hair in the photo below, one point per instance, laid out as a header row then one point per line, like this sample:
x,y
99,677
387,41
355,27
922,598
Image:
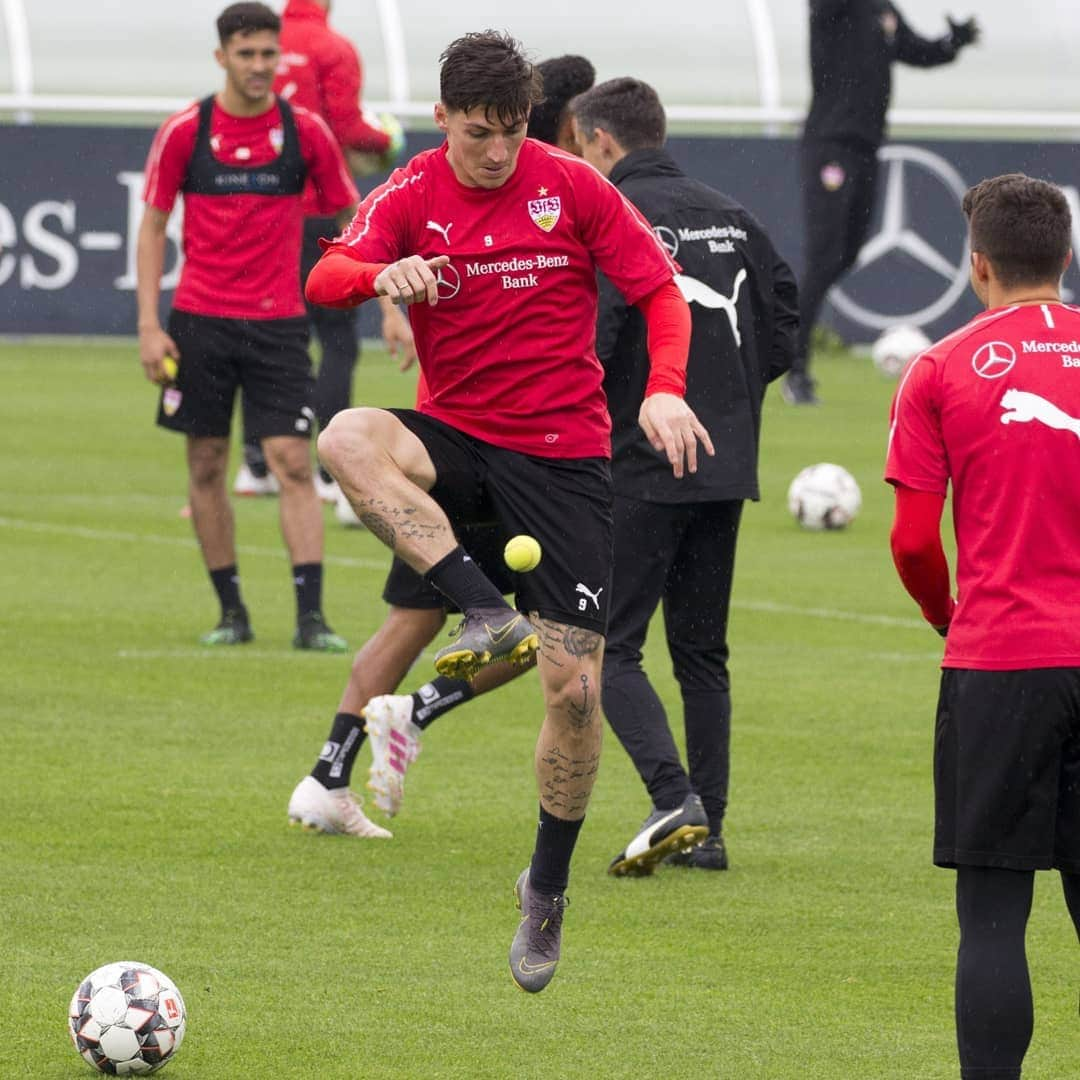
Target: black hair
x,y
246,19
627,109
564,77
489,69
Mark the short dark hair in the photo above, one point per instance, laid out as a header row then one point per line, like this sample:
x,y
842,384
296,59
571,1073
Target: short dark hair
x,y
489,69
1022,225
626,108
246,19
564,77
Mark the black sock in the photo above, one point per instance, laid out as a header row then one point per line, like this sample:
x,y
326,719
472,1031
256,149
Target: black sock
x,y
307,577
255,459
334,767
549,871
438,696
993,990
457,577
226,582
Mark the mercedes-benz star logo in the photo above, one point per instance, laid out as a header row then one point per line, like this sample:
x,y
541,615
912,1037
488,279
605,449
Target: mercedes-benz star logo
x,y
668,238
994,359
896,235
447,282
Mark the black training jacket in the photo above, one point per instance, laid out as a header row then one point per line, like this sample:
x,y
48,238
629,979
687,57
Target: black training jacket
x,y
852,46
724,254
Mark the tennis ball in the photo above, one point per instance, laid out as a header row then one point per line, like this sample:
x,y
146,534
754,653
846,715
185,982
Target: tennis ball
x,y
169,368
522,553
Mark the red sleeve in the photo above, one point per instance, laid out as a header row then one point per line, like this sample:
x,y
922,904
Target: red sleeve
x,y
167,162
339,281
327,170
918,555
667,324
916,456
341,81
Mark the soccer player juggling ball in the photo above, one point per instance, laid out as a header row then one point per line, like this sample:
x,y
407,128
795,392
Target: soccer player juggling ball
x,y
994,410
492,240
241,158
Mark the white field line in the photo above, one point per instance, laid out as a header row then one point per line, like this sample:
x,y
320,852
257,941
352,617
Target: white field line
x,y
116,535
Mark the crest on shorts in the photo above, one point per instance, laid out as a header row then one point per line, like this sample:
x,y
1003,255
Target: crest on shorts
x,y
545,212
170,400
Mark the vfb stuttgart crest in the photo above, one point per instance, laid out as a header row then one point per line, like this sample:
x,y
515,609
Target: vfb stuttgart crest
x,y
545,212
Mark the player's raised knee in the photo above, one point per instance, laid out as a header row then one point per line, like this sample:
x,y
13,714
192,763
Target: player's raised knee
x,y
351,434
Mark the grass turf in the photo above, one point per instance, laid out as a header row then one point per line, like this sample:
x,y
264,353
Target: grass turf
x,y
143,785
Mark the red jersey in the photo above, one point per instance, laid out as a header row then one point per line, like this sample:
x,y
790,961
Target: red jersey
x,y
508,353
320,70
994,409
242,250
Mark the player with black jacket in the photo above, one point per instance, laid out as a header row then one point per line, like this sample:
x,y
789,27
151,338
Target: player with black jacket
x,y
676,544
853,44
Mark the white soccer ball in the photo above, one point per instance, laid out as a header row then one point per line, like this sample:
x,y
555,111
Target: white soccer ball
x,y
896,348
127,1019
824,496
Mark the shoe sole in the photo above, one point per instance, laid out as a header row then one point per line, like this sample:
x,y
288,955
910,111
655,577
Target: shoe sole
x,y
684,838
465,663
218,644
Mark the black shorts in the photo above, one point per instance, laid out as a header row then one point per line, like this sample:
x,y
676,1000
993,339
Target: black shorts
x,y
1007,769
405,588
267,359
565,503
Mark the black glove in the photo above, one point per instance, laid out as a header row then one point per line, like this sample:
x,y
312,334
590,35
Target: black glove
x,y
963,33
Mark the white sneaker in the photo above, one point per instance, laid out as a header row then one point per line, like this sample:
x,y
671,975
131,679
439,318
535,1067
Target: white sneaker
x,y
344,512
331,810
327,490
395,745
247,483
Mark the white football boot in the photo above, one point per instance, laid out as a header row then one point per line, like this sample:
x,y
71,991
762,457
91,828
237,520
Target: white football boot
x,y
331,810
395,745
247,483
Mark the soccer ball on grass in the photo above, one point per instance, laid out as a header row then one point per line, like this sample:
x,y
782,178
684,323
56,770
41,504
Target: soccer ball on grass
x,y
824,496
127,1019
896,348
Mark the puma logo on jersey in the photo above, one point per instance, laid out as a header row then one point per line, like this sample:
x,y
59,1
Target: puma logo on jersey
x,y
697,292
593,596
1024,407
442,230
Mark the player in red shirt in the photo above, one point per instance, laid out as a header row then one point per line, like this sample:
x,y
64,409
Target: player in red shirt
x,y
320,70
416,612
493,241
241,159
994,410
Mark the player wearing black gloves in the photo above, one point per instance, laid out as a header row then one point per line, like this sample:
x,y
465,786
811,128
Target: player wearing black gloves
x,y
853,44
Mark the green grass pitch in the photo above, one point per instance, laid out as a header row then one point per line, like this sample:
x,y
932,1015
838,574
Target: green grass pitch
x,y
143,785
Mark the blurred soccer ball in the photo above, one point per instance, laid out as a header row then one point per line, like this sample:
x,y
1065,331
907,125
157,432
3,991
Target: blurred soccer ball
x,y
127,1019
824,496
896,348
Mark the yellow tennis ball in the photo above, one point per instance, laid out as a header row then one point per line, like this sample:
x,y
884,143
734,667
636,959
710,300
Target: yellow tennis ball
x,y
522,553
170,368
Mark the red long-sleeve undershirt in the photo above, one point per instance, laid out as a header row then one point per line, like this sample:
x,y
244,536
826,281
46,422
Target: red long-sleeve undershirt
x,y
340,281
918,555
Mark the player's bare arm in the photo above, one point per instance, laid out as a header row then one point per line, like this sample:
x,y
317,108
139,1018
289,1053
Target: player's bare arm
x,y
412,280
674,430
154,343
